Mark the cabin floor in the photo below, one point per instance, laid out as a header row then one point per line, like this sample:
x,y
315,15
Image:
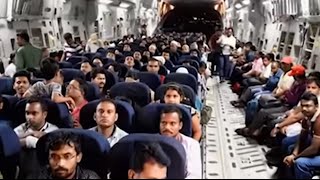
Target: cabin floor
x,y
227,155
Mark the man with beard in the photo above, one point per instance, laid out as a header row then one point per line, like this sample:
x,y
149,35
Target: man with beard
x,y
98,77
21,83
170,125
64,158
305,156
106,115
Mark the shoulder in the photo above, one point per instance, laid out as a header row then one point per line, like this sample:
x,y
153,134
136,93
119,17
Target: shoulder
x,y
52,127
191,143
121,132
88,174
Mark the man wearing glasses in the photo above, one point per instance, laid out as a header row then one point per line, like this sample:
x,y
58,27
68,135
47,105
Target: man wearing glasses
x,y
64,157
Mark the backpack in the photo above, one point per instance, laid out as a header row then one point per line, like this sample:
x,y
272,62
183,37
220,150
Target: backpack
x,y
205,114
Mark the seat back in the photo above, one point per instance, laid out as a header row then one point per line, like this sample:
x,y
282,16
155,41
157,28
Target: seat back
x,y
8,110
150,79
9,152
65,64
139,93
190,69
94,146
185,79
6,85
75,59
93,92
58,114
148,120
190,96
125,112
121,152
69,74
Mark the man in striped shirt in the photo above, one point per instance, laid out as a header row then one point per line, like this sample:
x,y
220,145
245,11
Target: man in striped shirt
x,y
70,47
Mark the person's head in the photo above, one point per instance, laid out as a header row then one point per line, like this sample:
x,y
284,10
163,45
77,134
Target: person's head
x,y
247,46
229,31
22,38
194,53
298,72
148,161
68,38
126,48
98,76
77,88
202,67
12,58
137,55
64,151
106,113
132,76
97,62
166,54
129,61
314,74
267,59
153,66
51,71
36,112
313,86
21,82
45,52
275,66
146,54
152,49
173,94
173,46
286,63
309,104
111,55
185,48
170,121
86,66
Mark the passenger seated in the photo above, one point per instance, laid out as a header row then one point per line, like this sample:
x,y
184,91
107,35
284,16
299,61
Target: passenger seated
x,y
22,82
77,90
170,125
52,86
154,67
86,67
129,62
174,95
148,161
106,115
98,77
36,125
305,156
64,156
97,61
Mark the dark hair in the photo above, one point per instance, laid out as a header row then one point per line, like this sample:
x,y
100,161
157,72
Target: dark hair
x,y
108,100
166,50
22,73
67,36
58,139
40,100
169,108
270,56
315,74
174,87
203,64
145,152
313,80
308,96
83,85
248,44
49,68
132,74
12,56
96,71
24,36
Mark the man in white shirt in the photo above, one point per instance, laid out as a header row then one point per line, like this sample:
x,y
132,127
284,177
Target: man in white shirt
x,y
11,68
170,125
106,115
228,44
36,125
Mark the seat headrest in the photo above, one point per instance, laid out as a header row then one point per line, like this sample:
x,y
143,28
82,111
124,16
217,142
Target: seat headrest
x,y
121,152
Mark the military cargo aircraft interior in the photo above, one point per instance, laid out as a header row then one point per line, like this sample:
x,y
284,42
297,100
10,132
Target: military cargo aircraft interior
x,y
159,89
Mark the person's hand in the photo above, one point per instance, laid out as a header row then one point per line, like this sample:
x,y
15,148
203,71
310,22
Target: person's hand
x,y
283,130
71,104
76,124
274,132
38,134
289,160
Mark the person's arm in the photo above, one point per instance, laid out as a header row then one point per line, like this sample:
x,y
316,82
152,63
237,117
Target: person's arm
x,y
19,61
194,165
196,127
291,119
